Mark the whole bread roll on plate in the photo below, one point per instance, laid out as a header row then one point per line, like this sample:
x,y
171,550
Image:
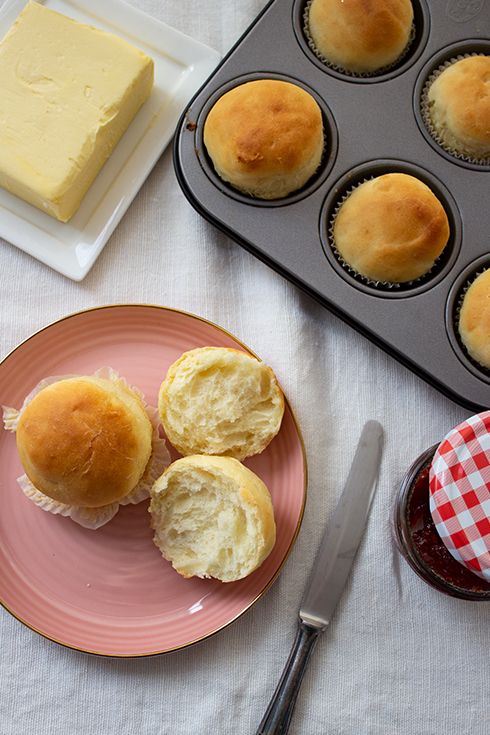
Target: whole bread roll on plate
x,y
474,320
265,137
459,107
212,517
220,401
391,229
87,444
361,36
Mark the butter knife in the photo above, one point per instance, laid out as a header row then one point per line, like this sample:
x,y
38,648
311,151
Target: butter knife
x,y
329,575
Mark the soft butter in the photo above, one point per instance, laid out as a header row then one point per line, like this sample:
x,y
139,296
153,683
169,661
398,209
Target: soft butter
x,y
67,93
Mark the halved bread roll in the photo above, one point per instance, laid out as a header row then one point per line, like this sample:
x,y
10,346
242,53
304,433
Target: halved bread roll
x,y
217,400
212,517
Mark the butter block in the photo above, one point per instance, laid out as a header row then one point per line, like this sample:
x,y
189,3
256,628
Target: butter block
x,y
68,91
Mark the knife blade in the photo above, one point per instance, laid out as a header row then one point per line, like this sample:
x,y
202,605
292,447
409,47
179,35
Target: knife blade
x,y
330,571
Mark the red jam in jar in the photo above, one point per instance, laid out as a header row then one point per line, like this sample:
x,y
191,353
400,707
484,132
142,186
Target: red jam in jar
x,y
421,545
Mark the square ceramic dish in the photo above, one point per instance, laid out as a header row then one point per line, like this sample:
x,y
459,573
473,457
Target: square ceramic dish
x,y
181,67
374,125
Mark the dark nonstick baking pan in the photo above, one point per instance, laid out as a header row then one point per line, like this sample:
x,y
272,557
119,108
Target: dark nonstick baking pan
x,y
374,125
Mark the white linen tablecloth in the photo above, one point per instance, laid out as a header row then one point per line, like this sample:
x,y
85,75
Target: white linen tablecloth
x,y
398,657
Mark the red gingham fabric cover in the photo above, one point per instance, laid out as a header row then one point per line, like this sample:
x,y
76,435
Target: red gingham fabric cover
x,y
459,482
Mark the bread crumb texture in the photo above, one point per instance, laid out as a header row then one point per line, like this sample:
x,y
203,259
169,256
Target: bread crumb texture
x,y
212,517
220,401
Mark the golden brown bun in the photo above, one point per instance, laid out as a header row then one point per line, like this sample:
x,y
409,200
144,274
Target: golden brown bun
x,y
212,517
361,36
265,137
85,441
391,228
216,400
459,106
474,320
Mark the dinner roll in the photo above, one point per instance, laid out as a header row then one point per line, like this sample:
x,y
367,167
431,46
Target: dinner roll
x,y
391,229
265,137
474,320
212,517
85,441
217,400
459,107
361,36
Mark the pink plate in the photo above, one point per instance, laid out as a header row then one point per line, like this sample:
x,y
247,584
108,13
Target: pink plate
x,y
109,591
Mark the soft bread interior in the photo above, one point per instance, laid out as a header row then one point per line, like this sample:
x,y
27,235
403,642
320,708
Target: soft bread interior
x,y
220,401
85,441
212,517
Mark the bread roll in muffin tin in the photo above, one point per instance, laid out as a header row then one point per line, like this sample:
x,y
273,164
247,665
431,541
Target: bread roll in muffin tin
x,y
373,125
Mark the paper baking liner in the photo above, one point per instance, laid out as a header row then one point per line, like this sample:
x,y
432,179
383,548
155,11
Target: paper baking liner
x,y
425,106
459,482
95,517
347,72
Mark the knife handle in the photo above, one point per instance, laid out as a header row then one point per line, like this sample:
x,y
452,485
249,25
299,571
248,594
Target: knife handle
x,y
278,715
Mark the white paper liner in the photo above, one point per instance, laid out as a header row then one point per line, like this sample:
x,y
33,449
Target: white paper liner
x,y
347,72
425,105
95,517
386,285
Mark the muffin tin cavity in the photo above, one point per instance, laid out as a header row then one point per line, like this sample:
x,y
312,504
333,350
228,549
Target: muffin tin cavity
x,y
370,170
438,62
453,306
418,40
329,154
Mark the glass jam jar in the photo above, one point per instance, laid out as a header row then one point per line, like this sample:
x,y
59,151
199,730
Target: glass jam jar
x,y
421,545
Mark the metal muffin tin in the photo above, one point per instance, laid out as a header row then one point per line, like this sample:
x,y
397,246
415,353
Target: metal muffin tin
x,y
373,126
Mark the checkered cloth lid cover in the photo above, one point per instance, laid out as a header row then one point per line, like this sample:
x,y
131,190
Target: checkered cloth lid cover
x,y
459,482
